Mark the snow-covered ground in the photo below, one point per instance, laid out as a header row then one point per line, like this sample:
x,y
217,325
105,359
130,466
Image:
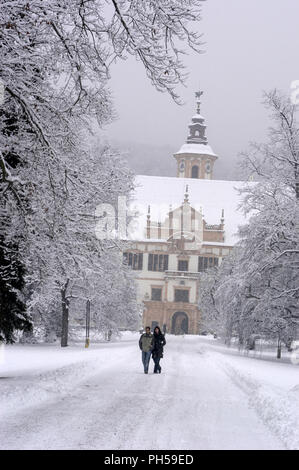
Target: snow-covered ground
x,y
207,397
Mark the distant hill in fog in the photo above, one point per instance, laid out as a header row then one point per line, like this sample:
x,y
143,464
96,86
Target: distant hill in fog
x,y
155,160
147,159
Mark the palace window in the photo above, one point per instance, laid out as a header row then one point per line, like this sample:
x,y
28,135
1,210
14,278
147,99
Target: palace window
x,y
183,265
205,263
154,324
181,295
194,171
157,262
134,260
156,293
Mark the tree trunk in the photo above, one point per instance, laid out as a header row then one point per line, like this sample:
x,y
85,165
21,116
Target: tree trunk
x,y
65,317
279,349
241,340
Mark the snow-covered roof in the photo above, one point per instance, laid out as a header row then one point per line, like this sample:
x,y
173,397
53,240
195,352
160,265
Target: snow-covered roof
x,y
198,116
212,195
200,149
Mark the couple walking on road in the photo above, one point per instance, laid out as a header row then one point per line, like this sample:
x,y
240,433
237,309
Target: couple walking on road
x,y
152,345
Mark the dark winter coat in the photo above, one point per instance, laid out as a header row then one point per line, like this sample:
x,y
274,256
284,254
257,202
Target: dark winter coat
x,y
159,343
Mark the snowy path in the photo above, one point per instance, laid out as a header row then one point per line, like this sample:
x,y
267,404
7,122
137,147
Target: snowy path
x,y
113,405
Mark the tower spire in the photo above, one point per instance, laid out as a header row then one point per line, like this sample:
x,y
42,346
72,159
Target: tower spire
x,y
196,159
148,223
186,200
197,127
198,95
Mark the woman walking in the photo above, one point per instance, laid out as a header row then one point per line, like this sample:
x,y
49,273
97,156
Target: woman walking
x,y
159,343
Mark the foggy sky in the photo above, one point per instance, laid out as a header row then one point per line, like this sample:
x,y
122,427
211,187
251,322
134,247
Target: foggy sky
x,y
250,46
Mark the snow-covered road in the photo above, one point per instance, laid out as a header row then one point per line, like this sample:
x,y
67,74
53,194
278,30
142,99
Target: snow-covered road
x,y
100,399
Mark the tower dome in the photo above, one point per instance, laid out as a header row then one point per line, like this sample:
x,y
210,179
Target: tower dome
x,y
195,159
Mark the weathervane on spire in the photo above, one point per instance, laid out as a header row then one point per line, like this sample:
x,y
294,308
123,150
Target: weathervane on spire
x,y
198,95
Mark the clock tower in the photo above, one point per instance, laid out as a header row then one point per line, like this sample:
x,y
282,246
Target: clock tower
x,y
196,158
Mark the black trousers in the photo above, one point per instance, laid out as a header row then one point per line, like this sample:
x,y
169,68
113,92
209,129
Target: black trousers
x,y
157,364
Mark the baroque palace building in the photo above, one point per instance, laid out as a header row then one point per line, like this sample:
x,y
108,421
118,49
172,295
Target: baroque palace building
x,y
185,225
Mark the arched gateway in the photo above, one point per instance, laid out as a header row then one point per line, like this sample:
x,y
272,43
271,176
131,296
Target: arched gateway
x,y
180,323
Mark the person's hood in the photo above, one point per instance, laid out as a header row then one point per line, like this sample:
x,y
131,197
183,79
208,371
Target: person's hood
x,y
158,334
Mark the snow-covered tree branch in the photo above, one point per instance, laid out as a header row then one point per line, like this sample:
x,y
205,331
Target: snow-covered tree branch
x,y
55,64
256,289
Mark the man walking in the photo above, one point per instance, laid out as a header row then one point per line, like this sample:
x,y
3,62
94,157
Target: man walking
x,y
146,344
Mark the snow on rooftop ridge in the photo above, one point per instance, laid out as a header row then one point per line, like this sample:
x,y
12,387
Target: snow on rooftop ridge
x,y
211,195
199,149
197,116
195,180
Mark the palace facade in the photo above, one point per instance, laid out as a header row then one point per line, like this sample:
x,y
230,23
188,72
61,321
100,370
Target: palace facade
x,y
186,225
